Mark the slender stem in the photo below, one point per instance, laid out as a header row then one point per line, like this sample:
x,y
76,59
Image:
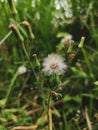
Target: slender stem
x,y
88,63
93,29
2,41
49,113
65,121
11,87
27,55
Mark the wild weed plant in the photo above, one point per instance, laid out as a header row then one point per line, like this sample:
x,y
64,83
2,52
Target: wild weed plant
x,y
48,65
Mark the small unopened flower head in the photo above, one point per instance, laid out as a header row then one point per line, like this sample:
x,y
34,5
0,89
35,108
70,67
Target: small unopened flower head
x,y
25,23
28,29
36,59
12,26
22,70
81,42
54,64
34,55
16,32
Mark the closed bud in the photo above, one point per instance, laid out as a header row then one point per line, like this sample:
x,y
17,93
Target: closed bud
x,y
81,42
16,32
28,28
36,60
55,94
25,23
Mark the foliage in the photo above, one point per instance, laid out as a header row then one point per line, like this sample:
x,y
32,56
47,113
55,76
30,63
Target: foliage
x,y
31,30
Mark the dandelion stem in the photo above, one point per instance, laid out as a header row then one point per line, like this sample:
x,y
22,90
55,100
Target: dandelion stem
x,y
10,87
88,63
2,41
49,113
26,53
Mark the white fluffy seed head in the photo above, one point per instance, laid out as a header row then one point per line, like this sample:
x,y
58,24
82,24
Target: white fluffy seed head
x,y
22,70
54,64
67,39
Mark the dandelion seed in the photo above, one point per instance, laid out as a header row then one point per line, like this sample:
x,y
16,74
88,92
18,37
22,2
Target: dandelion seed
x,y
22,70
54,64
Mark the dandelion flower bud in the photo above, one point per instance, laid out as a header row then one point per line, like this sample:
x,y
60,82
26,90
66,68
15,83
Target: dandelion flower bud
x,y
16,32
28,28
25,23
36,60
81,42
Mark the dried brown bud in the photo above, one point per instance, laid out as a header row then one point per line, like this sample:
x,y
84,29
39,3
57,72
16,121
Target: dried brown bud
x,y
34,55
72,55
53,93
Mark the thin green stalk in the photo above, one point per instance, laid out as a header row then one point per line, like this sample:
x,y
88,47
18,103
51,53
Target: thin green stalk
x,y
2,41
44,99
81,44
78,127
4,101
65,122
94,30
11,87
88,63
27,55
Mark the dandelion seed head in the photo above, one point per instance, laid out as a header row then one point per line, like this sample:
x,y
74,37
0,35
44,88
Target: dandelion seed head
x,y
66,39
22,70
54,64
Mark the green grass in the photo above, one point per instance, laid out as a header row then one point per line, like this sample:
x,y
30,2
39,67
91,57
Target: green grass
x,y
35,100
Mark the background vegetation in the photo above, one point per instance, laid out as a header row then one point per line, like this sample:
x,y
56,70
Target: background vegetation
x,y
24,98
